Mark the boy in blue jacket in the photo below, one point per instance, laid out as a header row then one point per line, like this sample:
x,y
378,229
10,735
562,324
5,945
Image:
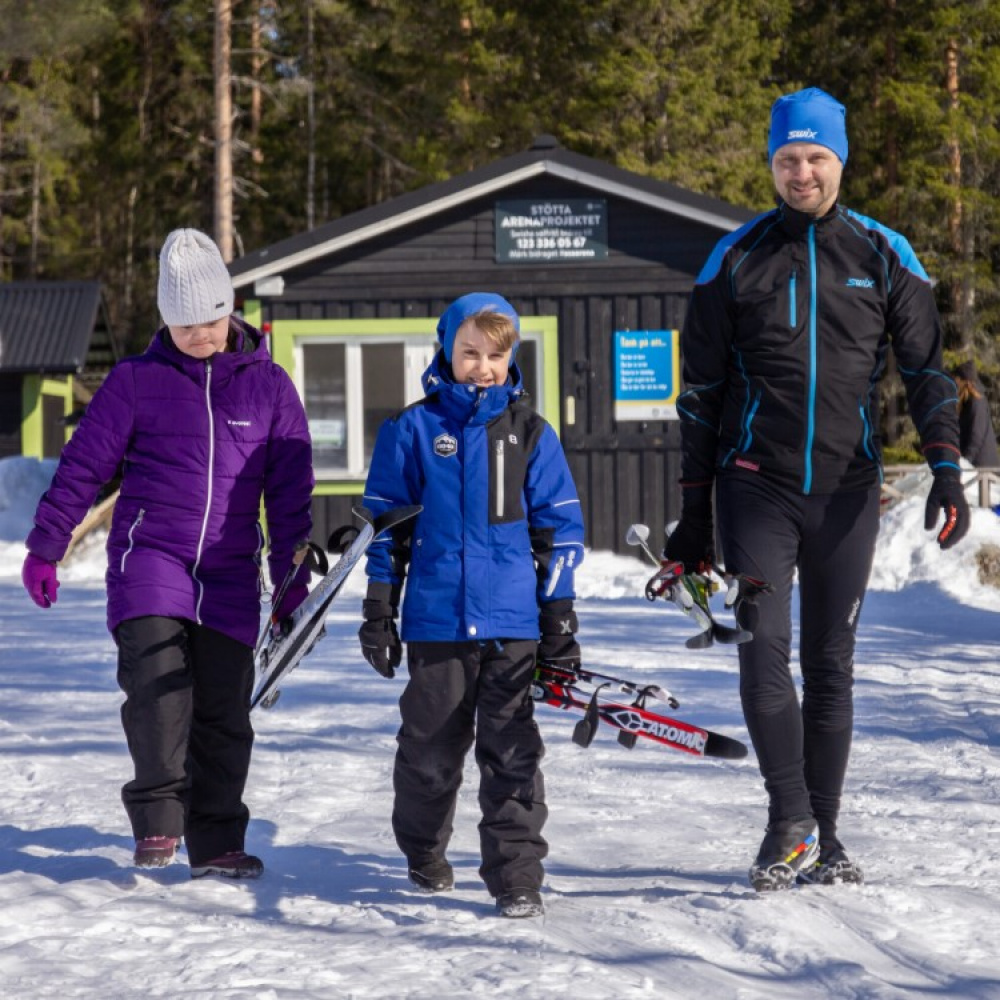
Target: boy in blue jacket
x,y
488,567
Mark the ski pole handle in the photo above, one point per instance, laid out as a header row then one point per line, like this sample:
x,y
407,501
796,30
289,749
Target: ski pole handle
x,y
299,554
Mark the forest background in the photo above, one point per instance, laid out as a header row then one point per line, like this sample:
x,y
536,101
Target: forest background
x,y
113,116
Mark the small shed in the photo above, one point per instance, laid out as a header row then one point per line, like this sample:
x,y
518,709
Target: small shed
x,y
598,261
55,348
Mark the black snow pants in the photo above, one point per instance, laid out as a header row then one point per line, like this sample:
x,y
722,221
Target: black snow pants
x,y
459,693
769,532
187,722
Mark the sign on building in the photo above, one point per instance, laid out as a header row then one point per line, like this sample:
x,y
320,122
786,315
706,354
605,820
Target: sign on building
x,y
647,374
572,229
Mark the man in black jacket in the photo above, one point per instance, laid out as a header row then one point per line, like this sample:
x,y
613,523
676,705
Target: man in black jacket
x,y
784,344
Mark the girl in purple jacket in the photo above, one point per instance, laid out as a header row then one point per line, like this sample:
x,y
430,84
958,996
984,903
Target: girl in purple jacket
x,y
201,427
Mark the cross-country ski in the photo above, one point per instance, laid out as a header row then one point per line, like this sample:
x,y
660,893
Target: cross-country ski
x,y
588,692
296,636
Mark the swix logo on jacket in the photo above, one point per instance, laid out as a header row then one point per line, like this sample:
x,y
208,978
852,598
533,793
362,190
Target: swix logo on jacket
x,y
785,342
501,529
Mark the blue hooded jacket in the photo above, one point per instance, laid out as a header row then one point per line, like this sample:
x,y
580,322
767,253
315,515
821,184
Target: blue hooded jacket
x,y
501,531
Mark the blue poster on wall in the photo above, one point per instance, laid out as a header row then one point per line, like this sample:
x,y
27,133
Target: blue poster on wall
x,y
647,374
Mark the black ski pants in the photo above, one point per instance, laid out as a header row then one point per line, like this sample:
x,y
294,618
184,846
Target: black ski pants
x,y
187,722
770,532
460,693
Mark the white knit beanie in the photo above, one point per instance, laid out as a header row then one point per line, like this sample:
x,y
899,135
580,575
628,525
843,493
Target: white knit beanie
x,y
194,286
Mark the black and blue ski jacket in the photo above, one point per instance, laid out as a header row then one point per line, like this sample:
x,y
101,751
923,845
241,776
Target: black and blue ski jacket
x,y
501,532
785,341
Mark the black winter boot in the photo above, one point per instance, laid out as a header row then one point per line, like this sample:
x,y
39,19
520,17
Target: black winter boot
x,y
432,876
832,866
788,847
518,903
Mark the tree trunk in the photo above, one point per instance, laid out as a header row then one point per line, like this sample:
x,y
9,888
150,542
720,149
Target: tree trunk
x,y
310,121
3,268
95,117
223,129
256,103
891,135
36,217
129,276
956,292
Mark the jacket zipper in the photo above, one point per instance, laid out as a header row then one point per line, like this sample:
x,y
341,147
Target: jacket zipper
x,y
498,450
792,316
811,406
131,537
208,498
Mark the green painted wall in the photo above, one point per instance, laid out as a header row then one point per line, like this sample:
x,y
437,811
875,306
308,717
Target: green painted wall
x,y
33,389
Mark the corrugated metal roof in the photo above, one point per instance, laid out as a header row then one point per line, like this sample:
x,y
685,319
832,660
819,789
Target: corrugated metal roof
x,y
46,326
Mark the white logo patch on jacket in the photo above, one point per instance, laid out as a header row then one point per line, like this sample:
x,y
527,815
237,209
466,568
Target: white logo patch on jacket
x,y
445,445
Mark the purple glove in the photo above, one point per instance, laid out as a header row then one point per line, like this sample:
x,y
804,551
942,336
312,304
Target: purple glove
x,y
294,596
39,578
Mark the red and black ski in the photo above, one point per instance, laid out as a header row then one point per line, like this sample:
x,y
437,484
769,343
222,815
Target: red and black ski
x,y
583,691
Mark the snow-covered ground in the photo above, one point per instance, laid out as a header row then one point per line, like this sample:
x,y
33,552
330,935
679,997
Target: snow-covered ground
x,y
646,893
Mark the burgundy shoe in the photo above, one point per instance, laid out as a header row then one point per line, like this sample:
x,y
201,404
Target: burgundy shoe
x,y
235,864
155,852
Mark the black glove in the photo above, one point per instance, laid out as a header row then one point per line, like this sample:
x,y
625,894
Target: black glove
x,y
692,542
947,495
379,639
558,646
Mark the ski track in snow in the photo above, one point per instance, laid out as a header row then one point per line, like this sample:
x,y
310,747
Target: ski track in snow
x,y
646,892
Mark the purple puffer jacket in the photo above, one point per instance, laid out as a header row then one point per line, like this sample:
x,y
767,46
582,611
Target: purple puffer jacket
x,y
201,441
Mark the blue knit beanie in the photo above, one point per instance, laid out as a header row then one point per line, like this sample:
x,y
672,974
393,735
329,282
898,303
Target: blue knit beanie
x,y
809,115
469,305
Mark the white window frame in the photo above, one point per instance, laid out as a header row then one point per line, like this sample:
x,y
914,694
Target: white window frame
x,y
288,337
417,355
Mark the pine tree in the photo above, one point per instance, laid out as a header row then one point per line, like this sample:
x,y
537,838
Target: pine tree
x,y
41,130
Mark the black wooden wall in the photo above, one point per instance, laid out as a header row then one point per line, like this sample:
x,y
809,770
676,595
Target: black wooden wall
x,y
624,472
10,415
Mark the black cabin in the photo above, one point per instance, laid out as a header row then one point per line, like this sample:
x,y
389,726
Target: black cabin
x,y
598,261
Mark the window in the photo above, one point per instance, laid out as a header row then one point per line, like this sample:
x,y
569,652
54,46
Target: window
x,y
352,381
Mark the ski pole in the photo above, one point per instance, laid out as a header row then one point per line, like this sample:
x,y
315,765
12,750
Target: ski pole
x,y
298,558
638,534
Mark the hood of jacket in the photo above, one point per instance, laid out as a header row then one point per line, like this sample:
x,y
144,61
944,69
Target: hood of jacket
x,y
467,403
246,346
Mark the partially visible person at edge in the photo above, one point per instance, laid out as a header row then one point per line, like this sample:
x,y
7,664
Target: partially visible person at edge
x,y
488,566
205,424
784,344
977,438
